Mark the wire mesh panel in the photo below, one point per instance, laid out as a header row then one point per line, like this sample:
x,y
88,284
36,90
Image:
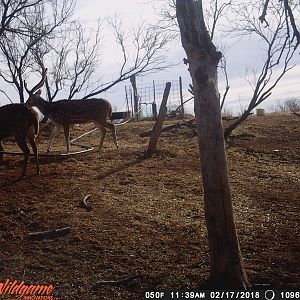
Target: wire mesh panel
x,y
152,93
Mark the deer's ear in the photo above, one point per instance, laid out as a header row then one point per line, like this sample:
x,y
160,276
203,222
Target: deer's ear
x,y
38,93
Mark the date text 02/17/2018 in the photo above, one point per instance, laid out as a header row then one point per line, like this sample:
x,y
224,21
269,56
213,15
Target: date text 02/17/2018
x,y
210,295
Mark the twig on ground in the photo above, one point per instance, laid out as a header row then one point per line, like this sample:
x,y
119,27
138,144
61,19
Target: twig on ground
x,y
120,282
49,234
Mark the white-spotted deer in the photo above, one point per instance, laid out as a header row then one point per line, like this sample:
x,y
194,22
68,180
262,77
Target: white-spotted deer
x,y
63,113
22,122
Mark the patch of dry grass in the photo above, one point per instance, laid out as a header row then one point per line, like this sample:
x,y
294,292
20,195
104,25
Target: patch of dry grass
x,y
147,215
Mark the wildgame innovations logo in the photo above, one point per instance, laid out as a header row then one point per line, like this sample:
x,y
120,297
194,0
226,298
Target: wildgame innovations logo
x,y
14,289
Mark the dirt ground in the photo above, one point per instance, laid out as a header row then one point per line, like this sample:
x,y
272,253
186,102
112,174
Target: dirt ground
x,y
147,215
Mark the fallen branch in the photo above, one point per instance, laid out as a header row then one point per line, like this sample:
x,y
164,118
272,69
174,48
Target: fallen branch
x,y
189,124
49,234
184,102
251,151
85,203
167,128
120,282
296,113
229,118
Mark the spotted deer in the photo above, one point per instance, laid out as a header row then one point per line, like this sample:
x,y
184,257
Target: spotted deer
x,y
21,122
63,113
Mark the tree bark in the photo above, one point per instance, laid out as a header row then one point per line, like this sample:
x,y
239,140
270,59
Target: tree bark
x,y
226,266
157,128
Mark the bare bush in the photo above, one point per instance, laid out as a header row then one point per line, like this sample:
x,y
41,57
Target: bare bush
x,y
293,105
280,48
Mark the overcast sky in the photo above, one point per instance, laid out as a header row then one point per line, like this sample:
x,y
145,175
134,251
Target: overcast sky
x,y
240,56
246,53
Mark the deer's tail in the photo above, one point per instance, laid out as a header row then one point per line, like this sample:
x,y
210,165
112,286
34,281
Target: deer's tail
x,y
110,111
36,122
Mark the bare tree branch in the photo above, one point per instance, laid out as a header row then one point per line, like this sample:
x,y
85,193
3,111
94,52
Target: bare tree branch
x,y
7,96
11,11
40,21
223,66
280,49
143,52
290,19
214,13
215,10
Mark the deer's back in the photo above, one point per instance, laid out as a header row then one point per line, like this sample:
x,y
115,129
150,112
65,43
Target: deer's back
x,y
16,119
79,111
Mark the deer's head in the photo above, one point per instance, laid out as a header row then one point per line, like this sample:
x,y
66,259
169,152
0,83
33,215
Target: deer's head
x,y
35,92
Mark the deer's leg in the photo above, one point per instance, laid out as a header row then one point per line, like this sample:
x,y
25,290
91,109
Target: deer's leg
x,y
1,154
67,135
103,134
112,128
31,140
21,141
52,136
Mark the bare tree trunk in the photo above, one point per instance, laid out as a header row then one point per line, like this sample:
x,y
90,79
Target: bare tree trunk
x,y
227,270
157,128
235,124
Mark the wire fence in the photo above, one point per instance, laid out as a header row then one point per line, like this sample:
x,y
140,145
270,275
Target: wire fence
x,y
149,96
